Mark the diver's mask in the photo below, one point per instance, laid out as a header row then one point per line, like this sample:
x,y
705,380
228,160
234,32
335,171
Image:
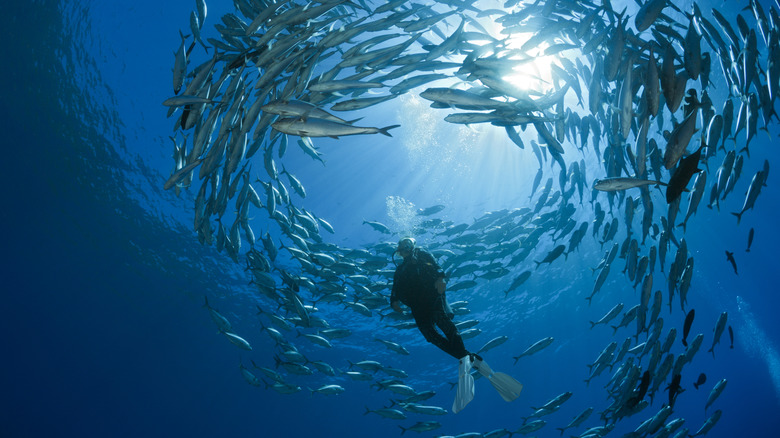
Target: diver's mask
x,y
405,245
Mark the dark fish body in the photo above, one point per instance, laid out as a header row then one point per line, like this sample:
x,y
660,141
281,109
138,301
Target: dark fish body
x,y
730,258
750,240
700,381
687,327
641,391
554,254
731,337
682,175
674,389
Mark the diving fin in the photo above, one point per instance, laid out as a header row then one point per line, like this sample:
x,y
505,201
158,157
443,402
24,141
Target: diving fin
x,y
506,385
465,391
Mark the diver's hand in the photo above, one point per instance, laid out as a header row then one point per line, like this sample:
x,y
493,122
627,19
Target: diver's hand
x,y
396,305
441,286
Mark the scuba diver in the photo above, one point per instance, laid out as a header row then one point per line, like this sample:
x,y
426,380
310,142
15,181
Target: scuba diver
x,y
419,283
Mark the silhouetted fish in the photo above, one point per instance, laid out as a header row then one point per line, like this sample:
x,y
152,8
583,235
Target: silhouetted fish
x,y
640,391
731,336
687,326
700,381
750,240
674,389
682,175
730,258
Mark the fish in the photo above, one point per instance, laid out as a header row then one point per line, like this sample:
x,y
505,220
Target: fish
x,y
461,99
394,414
301,109
341,85
700,381
720,326
750,239
179,65
495,342
679,139
699,184
715,393
222,323
328,390
674,389
687,326
599,282
517,282
648,13
730,258
238,341
421,426
731,336
552,255
753,191
682,175
708,424
422,409
531,427
313,127
576,421
536,347
640,391
620,183
556,402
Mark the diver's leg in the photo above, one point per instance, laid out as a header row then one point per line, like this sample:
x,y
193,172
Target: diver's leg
x,y
455,346
428,329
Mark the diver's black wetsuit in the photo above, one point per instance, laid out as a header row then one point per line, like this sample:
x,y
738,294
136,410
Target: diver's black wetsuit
x,y
413,285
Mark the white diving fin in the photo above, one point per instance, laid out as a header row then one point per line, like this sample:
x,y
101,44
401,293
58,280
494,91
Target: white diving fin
x,y
465,391
506,385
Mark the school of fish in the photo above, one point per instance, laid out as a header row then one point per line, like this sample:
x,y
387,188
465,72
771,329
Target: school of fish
x,y
631,87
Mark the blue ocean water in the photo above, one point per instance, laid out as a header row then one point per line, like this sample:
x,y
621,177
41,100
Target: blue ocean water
x,y
105,333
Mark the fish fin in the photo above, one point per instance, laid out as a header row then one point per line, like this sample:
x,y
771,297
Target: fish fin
x,y
384,130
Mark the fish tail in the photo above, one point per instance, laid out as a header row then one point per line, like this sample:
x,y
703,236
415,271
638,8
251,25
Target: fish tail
x,y
403,430
738,215
384,130
592,324
368,411
614,329
562,429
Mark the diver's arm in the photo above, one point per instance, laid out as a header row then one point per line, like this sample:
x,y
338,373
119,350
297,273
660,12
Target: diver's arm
x,y
440,283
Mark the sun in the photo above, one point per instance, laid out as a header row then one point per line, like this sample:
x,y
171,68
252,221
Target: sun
x,y
533,72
